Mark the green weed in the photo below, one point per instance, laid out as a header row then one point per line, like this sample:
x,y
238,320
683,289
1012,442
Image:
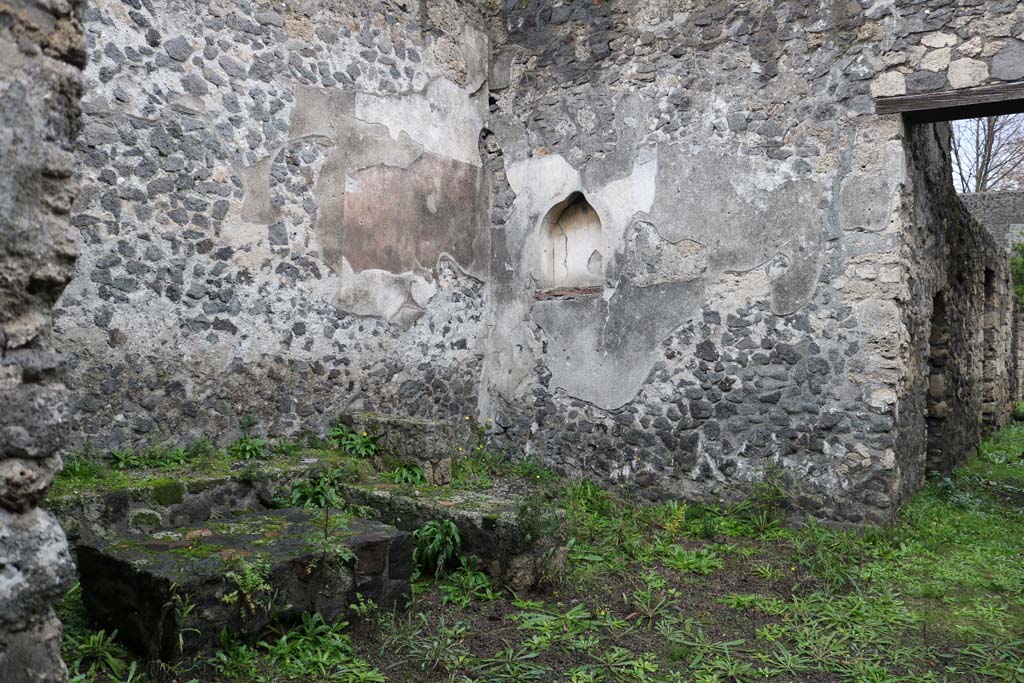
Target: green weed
x,y
438,546
360,444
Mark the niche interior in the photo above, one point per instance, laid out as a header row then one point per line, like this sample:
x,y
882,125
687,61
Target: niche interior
x,y
572,246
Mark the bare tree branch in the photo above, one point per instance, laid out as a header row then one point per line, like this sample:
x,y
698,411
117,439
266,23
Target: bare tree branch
x,y
988,153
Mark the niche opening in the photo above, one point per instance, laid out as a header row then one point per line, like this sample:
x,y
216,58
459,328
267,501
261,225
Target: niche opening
x,y
572,248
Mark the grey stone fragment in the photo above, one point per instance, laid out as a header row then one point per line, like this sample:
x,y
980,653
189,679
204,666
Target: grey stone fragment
x,y
38,566
233,67
277,234
178,48
24,483
500,76
194,84
1008,63
33,421
270,19
32,653
925,81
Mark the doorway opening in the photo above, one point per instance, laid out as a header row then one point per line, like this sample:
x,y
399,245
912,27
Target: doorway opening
x,y
938,403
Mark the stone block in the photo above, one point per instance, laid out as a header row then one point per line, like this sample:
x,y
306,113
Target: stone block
x,y
889,84
967,73
1008,63
430,444
170,593
32,654
25,482
493,526
37,567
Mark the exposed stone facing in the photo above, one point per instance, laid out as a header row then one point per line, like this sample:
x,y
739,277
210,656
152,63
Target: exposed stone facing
x,y
1002,214
129,581
782,343
947,45
296,213
41,55
249,177
946,403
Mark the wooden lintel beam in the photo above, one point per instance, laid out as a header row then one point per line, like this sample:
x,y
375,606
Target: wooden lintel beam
x,y
950,105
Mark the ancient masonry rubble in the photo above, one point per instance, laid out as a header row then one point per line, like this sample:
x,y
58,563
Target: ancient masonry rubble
x,y
1002,214
669,245
42,52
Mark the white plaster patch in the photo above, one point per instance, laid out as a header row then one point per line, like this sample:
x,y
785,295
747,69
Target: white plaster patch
x,y
418,115
620,199
544,179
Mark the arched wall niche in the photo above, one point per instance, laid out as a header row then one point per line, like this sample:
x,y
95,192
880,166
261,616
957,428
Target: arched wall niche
x,y
572,245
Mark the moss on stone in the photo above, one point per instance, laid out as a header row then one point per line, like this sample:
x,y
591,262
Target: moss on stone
x,y
144,519
167,492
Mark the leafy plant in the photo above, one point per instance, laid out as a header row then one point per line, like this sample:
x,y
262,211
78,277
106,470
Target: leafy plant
x,y
249,577
83,466
202,447
407,474
126,458
318,650
361,444
538,517
234,661
333,552
510,665
652,605
530,469
701,561
832,557
247,447
620,664
465,584
317,493
363,608
323,488
438,545
98,653
768,572
437,647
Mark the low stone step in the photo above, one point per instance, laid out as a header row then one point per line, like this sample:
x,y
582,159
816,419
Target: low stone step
x,y
429,444
495,526
170,593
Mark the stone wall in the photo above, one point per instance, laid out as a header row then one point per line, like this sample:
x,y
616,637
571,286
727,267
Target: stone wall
x,y
41,55
759,244
1002,214
280,217
960,324
947,44
663,244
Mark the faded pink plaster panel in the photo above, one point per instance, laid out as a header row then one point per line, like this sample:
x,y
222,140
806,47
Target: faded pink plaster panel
x,y
400,220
